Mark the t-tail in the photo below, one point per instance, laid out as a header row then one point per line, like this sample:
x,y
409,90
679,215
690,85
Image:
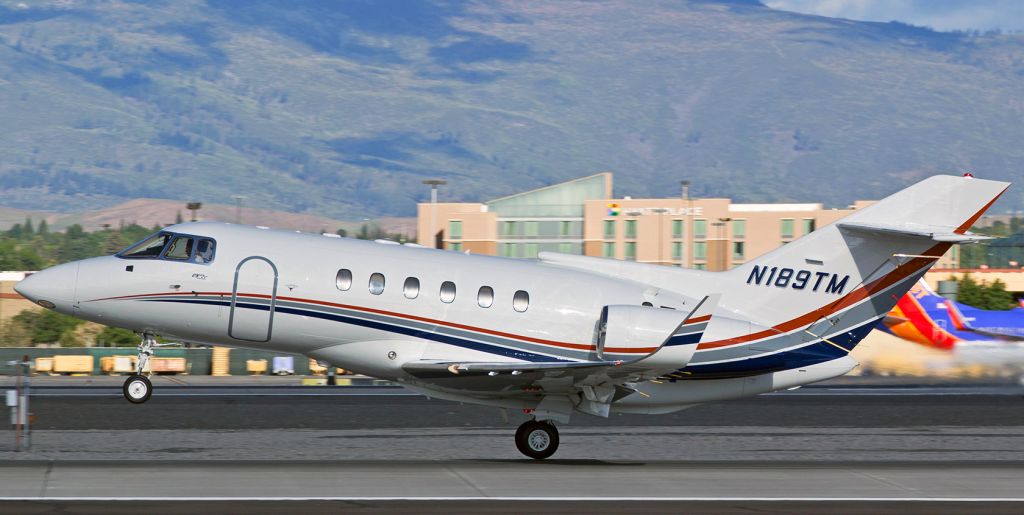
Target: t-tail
x,y
842,278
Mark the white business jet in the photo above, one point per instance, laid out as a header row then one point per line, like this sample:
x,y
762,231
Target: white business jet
x,y
561,335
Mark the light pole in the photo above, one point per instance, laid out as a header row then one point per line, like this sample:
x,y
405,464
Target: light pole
x,y
238,207
194,207
661,229
723,244
434,183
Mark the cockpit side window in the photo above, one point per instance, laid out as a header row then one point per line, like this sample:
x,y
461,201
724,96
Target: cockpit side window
x,y
204,251
149,248
180,249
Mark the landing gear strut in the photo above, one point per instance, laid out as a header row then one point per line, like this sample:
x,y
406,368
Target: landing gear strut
x,y
536,439
137,388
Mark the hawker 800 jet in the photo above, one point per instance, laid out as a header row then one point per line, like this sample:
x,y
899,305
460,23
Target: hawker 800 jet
x,y
555,337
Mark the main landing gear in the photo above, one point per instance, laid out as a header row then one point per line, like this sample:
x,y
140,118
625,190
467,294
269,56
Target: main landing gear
x,y
137,388
537,439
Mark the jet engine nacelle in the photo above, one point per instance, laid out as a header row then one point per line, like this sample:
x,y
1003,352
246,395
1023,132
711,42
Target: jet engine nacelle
x,y
626,331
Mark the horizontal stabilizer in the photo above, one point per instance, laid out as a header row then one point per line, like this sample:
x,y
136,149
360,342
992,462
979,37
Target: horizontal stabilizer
x,y
934,233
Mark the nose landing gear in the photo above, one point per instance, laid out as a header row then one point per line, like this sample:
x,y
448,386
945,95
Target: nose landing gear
x,y
137,388
537,439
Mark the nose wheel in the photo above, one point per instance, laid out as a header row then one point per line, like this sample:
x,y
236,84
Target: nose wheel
x,y
137,388
536,439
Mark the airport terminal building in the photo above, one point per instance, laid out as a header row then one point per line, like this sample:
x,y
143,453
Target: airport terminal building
x,y
582,216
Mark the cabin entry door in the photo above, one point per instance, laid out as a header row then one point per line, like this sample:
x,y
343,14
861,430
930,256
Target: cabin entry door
x,y
253,299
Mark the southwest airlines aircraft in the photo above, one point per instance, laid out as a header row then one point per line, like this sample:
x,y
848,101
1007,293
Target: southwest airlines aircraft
x,y
561,335
922,316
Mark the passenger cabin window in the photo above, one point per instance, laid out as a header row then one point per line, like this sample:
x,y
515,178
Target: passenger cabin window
x,y
377,283
411,289
485,297
173,247
180,249
344,279
447,292
521,301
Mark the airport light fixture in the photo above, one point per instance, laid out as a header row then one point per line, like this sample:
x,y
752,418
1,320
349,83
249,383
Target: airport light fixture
x,y
434,183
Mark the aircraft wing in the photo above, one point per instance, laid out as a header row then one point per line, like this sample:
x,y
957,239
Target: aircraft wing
x,y
611,378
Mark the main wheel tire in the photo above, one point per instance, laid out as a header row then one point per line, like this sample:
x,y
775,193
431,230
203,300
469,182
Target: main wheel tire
x,y
137,389
537,440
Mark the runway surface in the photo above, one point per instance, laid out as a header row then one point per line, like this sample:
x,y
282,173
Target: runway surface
x,y
507,485
893,449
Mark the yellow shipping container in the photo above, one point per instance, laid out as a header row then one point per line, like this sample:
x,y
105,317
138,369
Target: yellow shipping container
x,y
44,364
117,364
168,365
72,364
256,366
221,362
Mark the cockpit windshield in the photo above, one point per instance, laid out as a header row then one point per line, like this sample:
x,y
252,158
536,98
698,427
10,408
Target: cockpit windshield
x,y
173,247
148,248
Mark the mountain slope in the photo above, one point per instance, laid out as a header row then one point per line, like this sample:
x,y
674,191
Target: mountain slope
x,y
342,108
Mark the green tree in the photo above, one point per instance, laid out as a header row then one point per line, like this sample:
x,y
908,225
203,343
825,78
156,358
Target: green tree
x,y
43,227
969,292
996,296
28,259
116,337
46,326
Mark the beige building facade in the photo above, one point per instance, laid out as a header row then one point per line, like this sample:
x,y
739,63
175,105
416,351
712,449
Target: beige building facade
x,y
583,216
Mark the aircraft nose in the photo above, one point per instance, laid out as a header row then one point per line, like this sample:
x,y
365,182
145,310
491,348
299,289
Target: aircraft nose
x,y
53,288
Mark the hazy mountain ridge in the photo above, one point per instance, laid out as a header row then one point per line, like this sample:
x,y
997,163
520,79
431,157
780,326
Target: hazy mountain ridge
x,y
341,108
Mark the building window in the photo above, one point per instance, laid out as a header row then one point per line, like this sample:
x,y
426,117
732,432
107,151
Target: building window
x,y
508,228
565,248
508,250
700,229
700,266
532,229
809,225
447,292
521,301
485,297
411,288
455,247
565,229
631,229
739,229
700,250
677,251
376,283
631,251
786,227
455,229
609,249
343,280
677,229
738,250
530,250
609,229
